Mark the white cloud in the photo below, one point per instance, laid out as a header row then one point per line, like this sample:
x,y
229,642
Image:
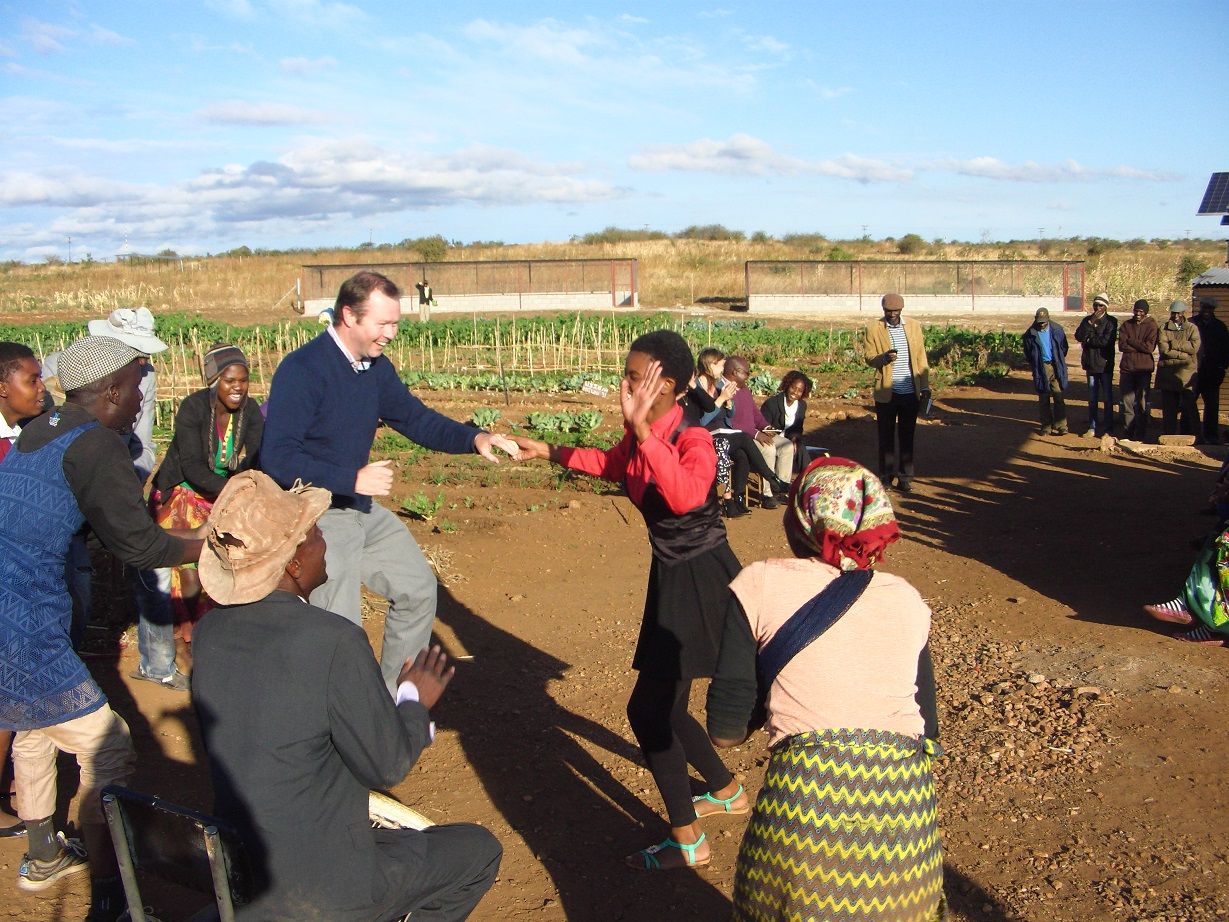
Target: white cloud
x,y
237,9
632,20
318,13
100,36
319,182
548,40
743,154
45,37
7,50
1031,171
238,112
765,43
828,92
304,66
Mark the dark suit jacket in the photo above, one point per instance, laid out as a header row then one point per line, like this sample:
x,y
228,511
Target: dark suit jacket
x,y
774,411
299,726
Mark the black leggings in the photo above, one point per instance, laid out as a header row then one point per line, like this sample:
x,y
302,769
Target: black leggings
x,y
671,739
747,457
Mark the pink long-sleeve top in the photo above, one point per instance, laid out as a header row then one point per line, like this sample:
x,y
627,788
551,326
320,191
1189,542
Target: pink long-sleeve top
x,y
683,471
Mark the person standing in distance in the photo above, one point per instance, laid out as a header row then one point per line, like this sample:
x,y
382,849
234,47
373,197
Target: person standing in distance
x,y
1213,360
1097,334
896,350
1137,340
325,402
1045,350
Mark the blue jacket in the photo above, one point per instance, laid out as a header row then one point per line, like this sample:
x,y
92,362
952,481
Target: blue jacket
x,y
1058,352
323,418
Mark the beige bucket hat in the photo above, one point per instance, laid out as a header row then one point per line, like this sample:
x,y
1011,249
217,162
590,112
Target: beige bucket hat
x,y
254,529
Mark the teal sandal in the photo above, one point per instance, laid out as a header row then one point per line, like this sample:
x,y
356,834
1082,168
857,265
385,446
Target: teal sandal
x,y
651,862
726,804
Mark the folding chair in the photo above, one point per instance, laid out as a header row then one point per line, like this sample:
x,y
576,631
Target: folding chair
x,y
177,844
198,851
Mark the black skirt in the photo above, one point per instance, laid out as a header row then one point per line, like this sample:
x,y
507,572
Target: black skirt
x,y
684,614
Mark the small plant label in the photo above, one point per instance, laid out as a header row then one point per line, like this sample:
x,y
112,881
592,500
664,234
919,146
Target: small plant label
x,y
597,390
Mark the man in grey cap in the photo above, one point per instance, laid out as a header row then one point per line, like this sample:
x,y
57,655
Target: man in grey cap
x,y
1213,360
70,466
1045,348
1176,367
1096,334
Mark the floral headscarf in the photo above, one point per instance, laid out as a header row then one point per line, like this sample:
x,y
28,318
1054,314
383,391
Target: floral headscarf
x,y
841,510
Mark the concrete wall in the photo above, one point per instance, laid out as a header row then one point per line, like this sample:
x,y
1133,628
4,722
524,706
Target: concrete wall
x,y
927,304
499,303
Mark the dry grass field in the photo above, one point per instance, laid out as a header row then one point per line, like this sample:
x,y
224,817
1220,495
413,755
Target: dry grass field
x,y
672,272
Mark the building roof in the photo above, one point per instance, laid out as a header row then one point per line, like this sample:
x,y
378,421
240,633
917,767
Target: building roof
x,y
1216,276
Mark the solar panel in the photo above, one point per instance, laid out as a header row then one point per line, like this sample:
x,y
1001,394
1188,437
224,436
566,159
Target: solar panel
x,y
1216,199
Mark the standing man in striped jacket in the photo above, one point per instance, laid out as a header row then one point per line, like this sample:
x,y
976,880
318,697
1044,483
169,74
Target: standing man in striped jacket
x,y
895,349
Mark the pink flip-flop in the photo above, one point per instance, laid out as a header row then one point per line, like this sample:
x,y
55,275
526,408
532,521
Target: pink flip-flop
x,y
1161,613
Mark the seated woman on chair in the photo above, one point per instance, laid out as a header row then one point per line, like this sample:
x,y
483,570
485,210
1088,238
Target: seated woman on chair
x,y
786,411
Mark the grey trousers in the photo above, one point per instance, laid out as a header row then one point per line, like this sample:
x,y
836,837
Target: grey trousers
x,y
374,549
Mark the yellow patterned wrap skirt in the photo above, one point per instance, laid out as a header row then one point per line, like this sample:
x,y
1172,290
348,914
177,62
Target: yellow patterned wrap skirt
x,y
845,827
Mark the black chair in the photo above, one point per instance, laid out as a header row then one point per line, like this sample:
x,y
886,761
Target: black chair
x,y
198,851
183,846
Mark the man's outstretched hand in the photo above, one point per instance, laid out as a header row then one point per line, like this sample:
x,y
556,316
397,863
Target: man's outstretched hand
x,y
430,673
486,442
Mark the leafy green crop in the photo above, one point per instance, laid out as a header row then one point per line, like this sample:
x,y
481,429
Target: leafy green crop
x,y
486,417
421,506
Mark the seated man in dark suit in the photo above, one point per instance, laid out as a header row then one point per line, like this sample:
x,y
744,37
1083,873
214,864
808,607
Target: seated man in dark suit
x,y
299,726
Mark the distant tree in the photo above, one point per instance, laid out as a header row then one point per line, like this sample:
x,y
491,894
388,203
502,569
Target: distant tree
x,y
761,237
710,232
52,260
839,254
1189,267
911,244
812,243
613,234
168,253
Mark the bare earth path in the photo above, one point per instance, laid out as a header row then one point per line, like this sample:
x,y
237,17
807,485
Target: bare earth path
x,y
1085,748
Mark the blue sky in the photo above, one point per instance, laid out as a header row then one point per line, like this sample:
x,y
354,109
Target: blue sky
x,y
139,125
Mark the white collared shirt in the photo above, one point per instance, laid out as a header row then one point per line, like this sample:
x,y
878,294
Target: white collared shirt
x,y
359,365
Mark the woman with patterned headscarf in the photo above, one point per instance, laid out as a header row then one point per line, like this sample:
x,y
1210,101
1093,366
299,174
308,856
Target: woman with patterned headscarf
x,y
217,434
845,825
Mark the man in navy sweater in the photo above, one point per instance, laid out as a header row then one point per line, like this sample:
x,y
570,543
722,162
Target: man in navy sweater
x,y
325,402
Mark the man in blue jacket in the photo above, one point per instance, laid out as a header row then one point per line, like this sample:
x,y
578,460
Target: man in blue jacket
x,y
325,402
1045,348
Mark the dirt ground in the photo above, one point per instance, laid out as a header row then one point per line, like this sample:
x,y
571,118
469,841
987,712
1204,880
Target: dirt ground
x,y
1083,745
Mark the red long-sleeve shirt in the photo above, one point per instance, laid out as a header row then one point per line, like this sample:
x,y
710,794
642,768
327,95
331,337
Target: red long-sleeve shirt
x,y
683,472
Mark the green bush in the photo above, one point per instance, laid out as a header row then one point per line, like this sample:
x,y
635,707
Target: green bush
x,y
1189,267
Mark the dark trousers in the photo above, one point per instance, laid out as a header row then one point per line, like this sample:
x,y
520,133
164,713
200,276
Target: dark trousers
x,y
439,874
1210,380
744,458
1101,389
1135,409
1052,405
897,421
1179,415
671,739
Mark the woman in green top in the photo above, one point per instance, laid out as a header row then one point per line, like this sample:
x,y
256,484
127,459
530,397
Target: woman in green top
x,y
217,434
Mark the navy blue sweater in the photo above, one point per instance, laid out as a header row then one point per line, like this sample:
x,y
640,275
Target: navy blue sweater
x,y
323,416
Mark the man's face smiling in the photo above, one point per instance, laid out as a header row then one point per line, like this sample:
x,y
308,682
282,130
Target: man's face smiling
x,y
892,317
367,336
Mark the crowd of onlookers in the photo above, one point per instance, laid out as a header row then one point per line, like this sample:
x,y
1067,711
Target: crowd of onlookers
x,y
1189,357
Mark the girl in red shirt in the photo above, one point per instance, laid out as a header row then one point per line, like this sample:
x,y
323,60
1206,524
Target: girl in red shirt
x,y
668,467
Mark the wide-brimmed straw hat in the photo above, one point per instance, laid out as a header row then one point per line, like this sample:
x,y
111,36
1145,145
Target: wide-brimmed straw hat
x,y
254,529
